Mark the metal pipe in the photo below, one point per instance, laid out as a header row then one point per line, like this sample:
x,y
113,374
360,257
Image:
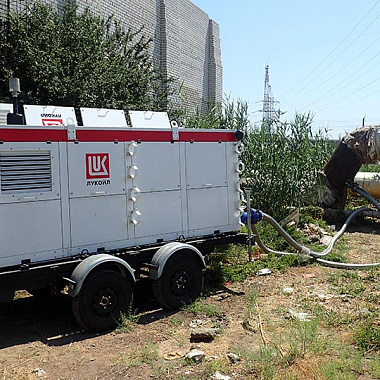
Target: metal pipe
x,y
249,222
306,252
282,232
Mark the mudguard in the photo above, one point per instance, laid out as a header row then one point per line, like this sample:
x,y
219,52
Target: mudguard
x,y
86,266
165,252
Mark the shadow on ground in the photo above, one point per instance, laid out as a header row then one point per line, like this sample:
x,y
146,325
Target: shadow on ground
x,y
50,320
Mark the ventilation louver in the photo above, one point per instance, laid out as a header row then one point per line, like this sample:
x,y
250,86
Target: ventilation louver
x,y
3,116
25,172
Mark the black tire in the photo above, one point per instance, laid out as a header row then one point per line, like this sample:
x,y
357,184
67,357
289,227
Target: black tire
x,y
181,282
104,296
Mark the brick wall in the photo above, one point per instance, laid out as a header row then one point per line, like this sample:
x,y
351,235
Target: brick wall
x,y
186,43
3,10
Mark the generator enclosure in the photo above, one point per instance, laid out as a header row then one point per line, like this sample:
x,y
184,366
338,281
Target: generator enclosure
x,y
66,190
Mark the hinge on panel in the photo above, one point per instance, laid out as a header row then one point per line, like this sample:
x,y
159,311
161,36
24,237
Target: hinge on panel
x,y
175,130
71,130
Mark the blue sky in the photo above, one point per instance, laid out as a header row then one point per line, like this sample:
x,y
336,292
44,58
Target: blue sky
x,y
323,57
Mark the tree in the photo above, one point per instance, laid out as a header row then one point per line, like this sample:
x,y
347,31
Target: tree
x,y
79,60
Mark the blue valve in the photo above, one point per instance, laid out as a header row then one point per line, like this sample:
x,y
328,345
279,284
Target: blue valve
x,y
256,216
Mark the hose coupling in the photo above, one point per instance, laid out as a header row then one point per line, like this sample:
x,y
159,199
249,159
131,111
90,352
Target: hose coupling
x,y
256,216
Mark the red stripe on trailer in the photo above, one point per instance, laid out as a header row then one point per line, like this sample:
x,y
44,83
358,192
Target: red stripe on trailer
x,y
154,136
104,135
207,136
32,135
122,135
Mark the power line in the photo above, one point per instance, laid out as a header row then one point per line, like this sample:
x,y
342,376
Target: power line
x,y
357,100
344,67
340,120
337,26
333,51
330,64
348,96
337,89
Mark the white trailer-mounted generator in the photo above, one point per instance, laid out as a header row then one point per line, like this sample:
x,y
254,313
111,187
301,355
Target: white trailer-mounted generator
x,y
91,208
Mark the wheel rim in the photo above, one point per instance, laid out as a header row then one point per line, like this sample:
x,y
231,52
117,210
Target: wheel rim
x,y
181,283
105,302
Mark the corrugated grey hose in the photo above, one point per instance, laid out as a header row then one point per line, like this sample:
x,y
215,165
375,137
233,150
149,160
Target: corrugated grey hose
x,y
306,252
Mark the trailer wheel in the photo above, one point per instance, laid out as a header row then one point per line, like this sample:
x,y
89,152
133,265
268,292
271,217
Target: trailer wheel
x,y
181,282
105,294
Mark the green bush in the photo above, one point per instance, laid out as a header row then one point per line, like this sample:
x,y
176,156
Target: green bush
x,y
78,59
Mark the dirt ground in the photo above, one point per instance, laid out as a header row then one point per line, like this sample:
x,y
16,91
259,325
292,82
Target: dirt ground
x,y
41,339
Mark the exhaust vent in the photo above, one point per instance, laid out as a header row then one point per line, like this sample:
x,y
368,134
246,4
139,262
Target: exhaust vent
x,y
25,172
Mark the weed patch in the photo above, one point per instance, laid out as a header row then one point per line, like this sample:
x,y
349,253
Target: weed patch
x,y
126,322
367,336
146,354
348,282
200,307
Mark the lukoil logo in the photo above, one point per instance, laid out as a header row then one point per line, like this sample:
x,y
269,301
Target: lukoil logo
x,y
97,165
52,122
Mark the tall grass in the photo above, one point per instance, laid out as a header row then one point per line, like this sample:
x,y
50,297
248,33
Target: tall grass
x,y
230,114
281,158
